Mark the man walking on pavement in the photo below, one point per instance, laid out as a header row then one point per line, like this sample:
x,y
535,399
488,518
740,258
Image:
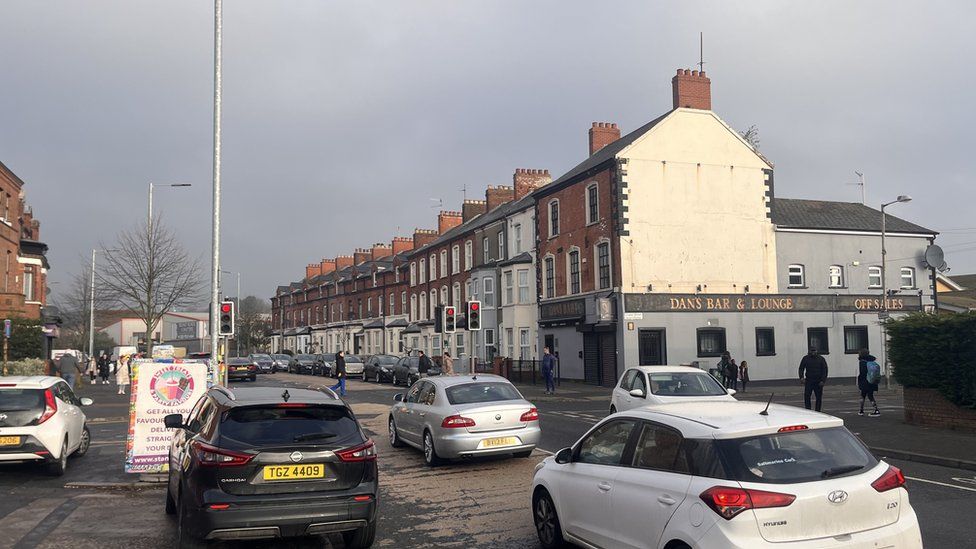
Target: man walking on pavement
x,y
447,364
813,372
424,365
549,371
340,371
69,368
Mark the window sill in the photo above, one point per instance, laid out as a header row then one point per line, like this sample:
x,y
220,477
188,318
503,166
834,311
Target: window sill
x,y
874,287
837,287
847,352
798,287
717,355
765,354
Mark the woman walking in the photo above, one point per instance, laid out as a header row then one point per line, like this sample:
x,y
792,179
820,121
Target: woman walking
x,y
122,374
744,374
340,371
868,375
92,369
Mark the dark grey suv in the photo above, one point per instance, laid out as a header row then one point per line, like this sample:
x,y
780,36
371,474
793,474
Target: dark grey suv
x,y
269,462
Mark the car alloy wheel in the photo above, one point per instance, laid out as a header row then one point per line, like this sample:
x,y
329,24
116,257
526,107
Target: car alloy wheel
x,y
378,377
547,522
394,436
365,377
85,442
430,454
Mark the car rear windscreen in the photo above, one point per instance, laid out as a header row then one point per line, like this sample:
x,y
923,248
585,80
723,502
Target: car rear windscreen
x,y
472,393
19,407
796,456
685,384
274,426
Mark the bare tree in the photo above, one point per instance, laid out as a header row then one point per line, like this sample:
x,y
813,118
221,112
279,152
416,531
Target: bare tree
x,y
150,274
75,302
253,324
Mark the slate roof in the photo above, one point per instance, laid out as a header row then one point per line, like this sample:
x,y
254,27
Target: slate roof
x,y
964,299
524,257
967,281
847,216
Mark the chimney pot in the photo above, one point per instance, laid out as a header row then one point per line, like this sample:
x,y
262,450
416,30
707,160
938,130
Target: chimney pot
x,y
526,180
691,89
602,134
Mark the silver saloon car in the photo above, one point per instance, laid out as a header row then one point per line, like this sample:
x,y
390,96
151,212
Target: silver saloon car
x,y
450,417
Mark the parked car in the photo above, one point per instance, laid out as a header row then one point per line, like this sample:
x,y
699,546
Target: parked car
x,y
459,416
354,366
644,385
308,364
379,368
241,369
721,474
328,364
263,462
406,370
282,363
265,363
41,421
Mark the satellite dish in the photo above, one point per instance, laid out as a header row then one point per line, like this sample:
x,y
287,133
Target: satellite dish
x,y
934,257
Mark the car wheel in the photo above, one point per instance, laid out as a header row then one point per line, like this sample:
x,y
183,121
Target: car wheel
x,y
394,435
185,540
58,467
170,502
362,538
430,454
524,454
378,380
85,443
365,377
547,521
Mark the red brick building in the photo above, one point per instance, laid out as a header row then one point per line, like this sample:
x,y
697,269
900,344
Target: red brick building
x,y
24,283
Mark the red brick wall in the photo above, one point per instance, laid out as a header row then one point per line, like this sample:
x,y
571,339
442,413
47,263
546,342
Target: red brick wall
x,y
691,89
929,408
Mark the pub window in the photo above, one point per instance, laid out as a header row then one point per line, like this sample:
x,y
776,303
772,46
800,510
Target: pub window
x,y
603,265
796,276
550,275
765,342
574,272
711,342
855,339
592,204
836,276
907,278
817,339
553,218
874,277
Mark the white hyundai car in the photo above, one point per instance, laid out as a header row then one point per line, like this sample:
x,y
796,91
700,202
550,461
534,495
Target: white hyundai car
x,y
724,475
645,385
41,421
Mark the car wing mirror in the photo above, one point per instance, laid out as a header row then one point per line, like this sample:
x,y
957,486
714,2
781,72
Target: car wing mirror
x,y
398,397
174,421
731,391
637,393
87,401
564,456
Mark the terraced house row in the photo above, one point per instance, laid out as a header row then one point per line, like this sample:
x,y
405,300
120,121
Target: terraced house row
x,y
667,245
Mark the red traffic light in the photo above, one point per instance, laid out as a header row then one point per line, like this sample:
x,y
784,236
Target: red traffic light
x,y
225,307
449,310
474,306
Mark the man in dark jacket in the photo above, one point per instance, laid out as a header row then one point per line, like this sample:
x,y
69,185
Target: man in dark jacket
x,y
549,370
340,371
867,388
813,372
424,365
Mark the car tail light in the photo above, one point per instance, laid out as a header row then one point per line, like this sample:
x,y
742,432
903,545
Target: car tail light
x,y
362,498
891,479
531,415
212,456
292,405
50,406
792,428
363,452
219,506
456,422
729,502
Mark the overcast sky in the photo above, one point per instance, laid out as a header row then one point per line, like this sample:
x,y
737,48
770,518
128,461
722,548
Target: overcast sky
x,y
342,119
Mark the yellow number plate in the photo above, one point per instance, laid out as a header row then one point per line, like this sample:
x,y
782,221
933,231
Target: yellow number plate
x,y
9,441
294,472
500,441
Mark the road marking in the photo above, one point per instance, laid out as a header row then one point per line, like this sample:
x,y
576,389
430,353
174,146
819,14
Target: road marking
x,y
947,485
965,480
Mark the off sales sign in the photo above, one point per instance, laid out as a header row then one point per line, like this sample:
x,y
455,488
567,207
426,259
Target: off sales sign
x,y
159,388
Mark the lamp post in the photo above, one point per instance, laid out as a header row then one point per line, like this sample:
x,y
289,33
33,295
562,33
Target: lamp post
x,y
91,306
215,229
884,284
149,211
237,336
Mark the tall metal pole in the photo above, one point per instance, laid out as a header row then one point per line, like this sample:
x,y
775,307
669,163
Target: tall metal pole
x,y
237,336
884,298
91,310
149,216
215,259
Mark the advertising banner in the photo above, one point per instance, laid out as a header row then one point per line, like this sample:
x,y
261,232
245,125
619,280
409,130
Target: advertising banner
x,y
159,387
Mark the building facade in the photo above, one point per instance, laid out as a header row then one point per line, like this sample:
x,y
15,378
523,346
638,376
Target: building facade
x,y
24,286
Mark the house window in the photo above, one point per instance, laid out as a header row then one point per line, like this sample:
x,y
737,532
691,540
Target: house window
x,y
433,267
423,306
501,246
443,263
835,275
413,307
603,265
711,342
517,230
29,283
391,304
592,204
475,289
457,296
413,274
484,248
907,278
374,283
524,346
817,339
455,259
509,289
435,345
468,255
523,286
553,218
574,272
765,342
489,342
433,303
403,302
550,277
459,343
510,341
396,274
874,277
443,300
423,270
369,306
796,277
855,339
489,300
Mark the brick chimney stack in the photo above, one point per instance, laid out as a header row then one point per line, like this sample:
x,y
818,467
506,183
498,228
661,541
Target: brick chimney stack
x,y
472,208
361,255
343,261
692,89
327,266
602,134
402,244
312,270
447,220
496,196
423,237
381,250
526,180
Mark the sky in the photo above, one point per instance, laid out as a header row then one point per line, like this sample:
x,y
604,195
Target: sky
x,y
343,120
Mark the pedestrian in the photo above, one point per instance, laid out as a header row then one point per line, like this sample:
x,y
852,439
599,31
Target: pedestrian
x,y
424,365
69,367
92,369
549,370
744,374
728,369
813,373
340,372
104,368
868,376
122,371
447,364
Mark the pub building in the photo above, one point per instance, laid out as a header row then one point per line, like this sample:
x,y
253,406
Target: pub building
x,y
668,245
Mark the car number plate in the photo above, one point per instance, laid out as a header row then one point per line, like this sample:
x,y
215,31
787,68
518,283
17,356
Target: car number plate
x,y
499,441
294,472
9,441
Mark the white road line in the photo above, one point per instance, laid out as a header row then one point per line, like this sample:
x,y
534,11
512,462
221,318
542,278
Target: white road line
x,y
942,484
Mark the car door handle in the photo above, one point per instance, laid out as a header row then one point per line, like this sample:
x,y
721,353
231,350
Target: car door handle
x,y
667,500
604,486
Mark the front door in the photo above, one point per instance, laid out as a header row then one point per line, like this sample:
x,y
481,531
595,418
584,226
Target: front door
x,y
652,349
600,358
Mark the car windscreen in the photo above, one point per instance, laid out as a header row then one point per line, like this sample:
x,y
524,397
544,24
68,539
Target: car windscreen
x,y
305,357
281,357
272,426
386,360
685,384
796,456
238,361
328,357
261,357
353,358
472,393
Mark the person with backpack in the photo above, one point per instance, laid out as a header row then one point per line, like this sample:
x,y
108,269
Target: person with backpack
x,y
868,376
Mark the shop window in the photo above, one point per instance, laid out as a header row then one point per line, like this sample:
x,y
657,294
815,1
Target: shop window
x,y
765,342
855,339
711,342
817,339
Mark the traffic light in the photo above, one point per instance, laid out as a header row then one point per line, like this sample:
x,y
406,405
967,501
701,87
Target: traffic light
x,y
438,319
450,319
474,315
225,324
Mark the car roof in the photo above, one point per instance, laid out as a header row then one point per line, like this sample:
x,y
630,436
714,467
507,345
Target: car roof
x,y
250,396
28,382
731,418
666,369
451,381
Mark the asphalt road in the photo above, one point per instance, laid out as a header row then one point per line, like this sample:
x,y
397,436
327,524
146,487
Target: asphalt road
x,y
482,503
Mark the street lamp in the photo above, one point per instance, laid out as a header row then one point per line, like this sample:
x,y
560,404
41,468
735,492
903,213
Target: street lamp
x,y
237,337
151,186
884,284
91,306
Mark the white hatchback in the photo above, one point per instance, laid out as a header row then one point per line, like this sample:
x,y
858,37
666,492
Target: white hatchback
x,y
645,385
721,474
41,421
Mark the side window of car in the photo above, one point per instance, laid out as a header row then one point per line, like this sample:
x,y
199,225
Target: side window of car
x,y
428,394
702,458
197,422
639,382
658,448
208,416
628,379
60,390
414,393
606,445
194,414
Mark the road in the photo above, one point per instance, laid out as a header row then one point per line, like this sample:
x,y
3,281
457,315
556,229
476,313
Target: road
x,y
481,503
